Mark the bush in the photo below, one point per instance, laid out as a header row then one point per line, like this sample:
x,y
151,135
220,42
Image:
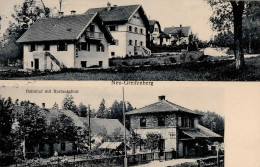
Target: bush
x,y
172,59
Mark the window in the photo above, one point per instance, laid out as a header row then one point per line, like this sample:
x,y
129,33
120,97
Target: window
x,y
172,135
112,53
92,28
113,28
31,63
143,122
135,42
141,43
100,63
62,46
136,30
156,29
83,64
130,28
141,31
85,46
100,48
46,47
161,121
62,146
130,42
32,47
116,42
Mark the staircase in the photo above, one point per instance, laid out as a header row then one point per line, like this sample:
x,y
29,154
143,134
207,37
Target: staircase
x,y
143,51
48,54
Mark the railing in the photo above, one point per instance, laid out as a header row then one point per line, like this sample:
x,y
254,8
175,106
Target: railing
x,y
94,35
211,161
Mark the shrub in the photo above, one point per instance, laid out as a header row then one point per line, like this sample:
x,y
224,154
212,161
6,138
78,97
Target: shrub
x,y
172,59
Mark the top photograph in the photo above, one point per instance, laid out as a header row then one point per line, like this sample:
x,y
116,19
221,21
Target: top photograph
x,y
137,40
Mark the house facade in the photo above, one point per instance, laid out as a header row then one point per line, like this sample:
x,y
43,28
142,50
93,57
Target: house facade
x,y
74,41
177,126
156,35
178,35
128,26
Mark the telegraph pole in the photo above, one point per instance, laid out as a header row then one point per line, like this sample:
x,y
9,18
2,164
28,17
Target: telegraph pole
x,y
89,129
125,158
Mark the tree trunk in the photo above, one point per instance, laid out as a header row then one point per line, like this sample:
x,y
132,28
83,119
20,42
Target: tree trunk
x,y
238,8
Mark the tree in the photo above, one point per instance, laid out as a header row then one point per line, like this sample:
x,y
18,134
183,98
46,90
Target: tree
x,y
24,16
68,103
6,122
212,121
102,110
61,129
117,134
55,106
82,110
32,125
227,14
152,140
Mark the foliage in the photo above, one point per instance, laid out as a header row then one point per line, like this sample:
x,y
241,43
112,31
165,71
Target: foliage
x,y
135,137
82,110
68,103
152,140
102,110
117,134
24,15
55,106
6,122
228,14
62,128
212,121
32,124
224,39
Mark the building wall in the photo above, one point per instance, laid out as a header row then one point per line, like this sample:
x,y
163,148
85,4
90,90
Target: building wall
x,y
92,57
152,121
168,134
119,49
65,57
155,34
123,35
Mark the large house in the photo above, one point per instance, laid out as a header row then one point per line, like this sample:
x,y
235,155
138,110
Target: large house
x,y
128,26
73,41
177,126
156,35
178,35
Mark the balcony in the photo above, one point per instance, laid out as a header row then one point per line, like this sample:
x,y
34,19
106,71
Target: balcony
x,y
94,35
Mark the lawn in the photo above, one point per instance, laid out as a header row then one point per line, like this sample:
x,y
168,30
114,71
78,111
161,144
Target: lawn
x,y
196,71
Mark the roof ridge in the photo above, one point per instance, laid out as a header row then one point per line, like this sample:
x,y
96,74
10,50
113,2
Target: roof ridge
x,y
57,17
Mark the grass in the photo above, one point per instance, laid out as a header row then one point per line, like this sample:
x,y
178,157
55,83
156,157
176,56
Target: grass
x,y
193,71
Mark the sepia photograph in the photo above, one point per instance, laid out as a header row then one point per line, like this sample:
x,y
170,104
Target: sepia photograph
x,y
152,40
84,125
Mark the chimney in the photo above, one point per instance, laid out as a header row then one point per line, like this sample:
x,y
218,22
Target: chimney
x,y
43,105
73,12
161,98
61,14
108,6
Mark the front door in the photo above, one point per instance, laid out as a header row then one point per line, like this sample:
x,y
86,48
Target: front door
x,y
36,64
161,146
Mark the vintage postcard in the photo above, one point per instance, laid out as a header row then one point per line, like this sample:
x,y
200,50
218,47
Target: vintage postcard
x,y
130,40
97,123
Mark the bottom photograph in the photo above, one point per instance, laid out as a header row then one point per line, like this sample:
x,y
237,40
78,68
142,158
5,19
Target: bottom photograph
x,y
105,125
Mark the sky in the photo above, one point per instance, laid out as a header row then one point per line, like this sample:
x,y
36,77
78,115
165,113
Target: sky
x,y
186,95
194,13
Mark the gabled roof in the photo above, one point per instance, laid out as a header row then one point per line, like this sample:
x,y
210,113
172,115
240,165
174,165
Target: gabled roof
x,y
119,14
64,28
152,23
163,35
98,124
51,113
160,107
175,30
